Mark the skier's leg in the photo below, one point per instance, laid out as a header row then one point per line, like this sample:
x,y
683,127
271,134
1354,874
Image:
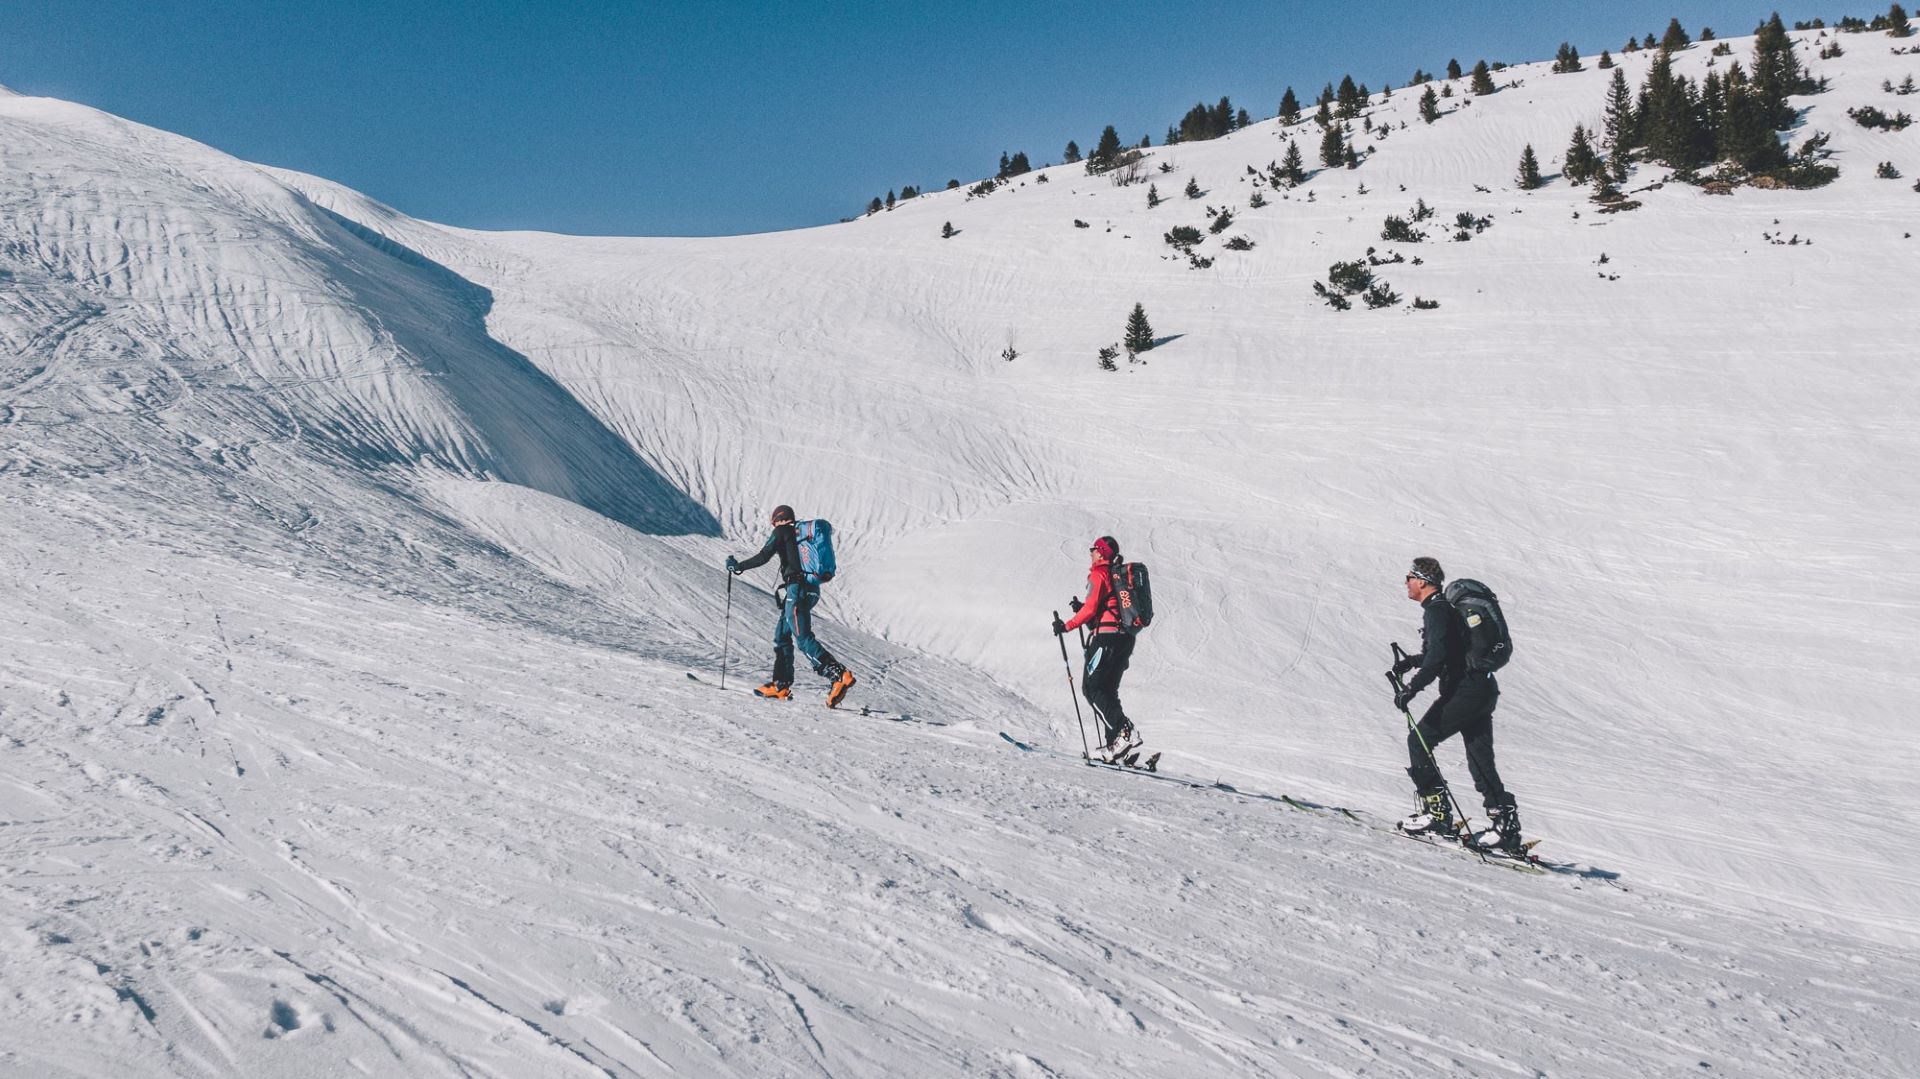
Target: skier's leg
x,y
783,644
1433,729
1476,729
1097,686
800,603
1122,657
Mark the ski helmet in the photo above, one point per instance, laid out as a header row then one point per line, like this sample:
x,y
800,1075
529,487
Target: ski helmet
x,y
1107,548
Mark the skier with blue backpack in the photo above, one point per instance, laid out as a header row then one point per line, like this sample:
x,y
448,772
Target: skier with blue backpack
x,y
805,549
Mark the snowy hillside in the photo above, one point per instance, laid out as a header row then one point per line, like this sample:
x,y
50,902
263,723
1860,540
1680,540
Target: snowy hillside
x,y
356,564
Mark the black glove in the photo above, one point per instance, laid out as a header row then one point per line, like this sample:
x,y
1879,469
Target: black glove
x,y
1404,698
1405,663
1059,627
733,565
1074,605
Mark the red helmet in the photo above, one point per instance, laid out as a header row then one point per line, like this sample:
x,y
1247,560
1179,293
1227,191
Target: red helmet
x,y
1107,548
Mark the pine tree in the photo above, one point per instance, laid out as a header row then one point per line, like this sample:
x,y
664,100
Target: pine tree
x,y
1240,120
1193,188
875,206
1348,97
890,200
1072,156
1482,79
1351,160
1153,196
1675,38
1005,164
1333,150
1326,95
1139,335
1583,163
1622,125
1292,166
1675,134
1106,153
1648,42
1325,116
1897,24
1019,165
1606,60
1567,60
1706,33
1429,105
1289,107
1453,69
946,231
1529,169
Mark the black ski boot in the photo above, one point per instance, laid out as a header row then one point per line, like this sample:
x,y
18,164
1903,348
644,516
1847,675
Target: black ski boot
x,y
1503,834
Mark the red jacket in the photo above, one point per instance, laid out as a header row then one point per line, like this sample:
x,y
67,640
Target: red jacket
x,y
1102,607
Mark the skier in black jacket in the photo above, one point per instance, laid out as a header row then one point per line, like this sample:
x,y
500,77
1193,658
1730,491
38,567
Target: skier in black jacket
x,y
1465,707
796,596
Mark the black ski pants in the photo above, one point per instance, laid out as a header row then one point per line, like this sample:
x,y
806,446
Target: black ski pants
x,y
1107,657
1466,711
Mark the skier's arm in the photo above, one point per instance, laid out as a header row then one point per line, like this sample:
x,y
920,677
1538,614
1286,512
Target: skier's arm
x,y
1097,590
1434,655
760,559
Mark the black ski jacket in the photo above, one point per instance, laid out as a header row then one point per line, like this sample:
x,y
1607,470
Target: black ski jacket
x,y
785,543
1444,640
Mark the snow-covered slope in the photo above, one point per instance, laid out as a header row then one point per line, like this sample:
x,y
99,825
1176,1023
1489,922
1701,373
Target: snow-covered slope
x,y
355,564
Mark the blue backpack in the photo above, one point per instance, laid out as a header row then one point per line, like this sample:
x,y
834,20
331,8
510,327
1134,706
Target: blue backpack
x,y
816,550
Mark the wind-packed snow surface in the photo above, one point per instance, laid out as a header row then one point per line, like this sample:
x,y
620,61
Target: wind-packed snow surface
x,y
355,567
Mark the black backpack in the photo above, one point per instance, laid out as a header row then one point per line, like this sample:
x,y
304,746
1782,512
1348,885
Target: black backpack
x,y
1489,645
1134,594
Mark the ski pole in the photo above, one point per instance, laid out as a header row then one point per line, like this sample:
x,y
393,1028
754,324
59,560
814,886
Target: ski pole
x,y
1086,753
726,638
1445,788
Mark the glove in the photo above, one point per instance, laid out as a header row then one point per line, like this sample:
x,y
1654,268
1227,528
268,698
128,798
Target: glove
x,y
1074,605
733,565
1404,698
1405,663
1059,627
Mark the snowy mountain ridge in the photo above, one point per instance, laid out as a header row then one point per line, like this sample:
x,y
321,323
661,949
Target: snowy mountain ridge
x,y
357,564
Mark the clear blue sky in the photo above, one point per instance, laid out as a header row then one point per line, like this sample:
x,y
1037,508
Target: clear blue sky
x,y
719,117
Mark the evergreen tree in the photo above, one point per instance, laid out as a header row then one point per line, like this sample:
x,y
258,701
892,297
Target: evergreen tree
x,y
1622,126
1348,97
1567,60
1706,33
1289,107
1675,38
1482,79
875,206
1072,156
1139,335
1193,188
1333,149
1153,196
1326,95
1325,116
1291,166
1673,130
1429,105
1240,120
1897,24
1453,69
1529,177
890,200
1171,136
1106,153
1745,136
1351,160
1583,163
1005,164
1019,166
1606,60
946,230
1648,42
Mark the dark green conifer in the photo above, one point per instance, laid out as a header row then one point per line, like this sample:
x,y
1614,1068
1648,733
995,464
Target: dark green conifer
x,y
1333,149
1453,69
1289,107
1529,177
1675,38
1139,335
1482,79
1429,105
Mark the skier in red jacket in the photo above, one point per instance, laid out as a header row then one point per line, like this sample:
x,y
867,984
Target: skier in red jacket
x,y
1109,650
